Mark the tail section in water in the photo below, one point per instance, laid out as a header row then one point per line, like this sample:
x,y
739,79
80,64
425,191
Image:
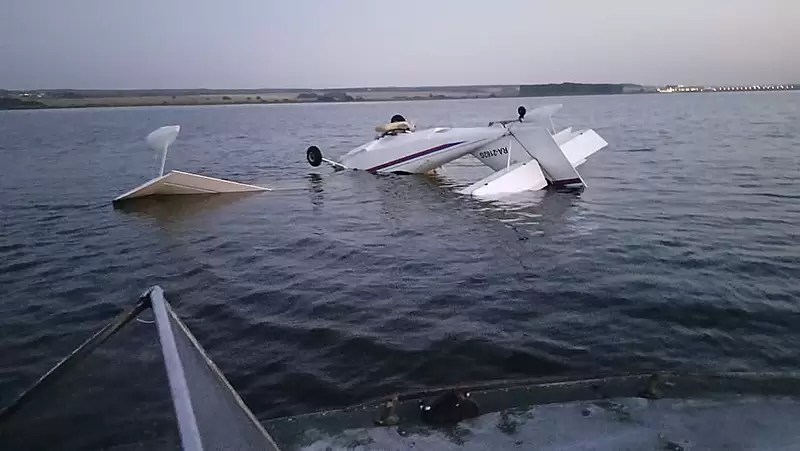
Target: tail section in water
x,y
521,176
540,145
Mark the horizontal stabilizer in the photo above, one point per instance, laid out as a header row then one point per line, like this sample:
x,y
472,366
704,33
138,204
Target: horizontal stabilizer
x,y
582,145
523,176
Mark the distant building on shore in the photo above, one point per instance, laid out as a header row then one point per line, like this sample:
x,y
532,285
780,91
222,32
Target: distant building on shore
x,y
681,88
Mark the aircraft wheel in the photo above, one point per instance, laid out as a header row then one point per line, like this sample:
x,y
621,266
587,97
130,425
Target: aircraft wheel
x,y
314,156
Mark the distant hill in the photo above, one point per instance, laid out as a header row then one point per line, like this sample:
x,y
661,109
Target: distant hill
x,y
110,93
83,98
567,89
66,93
10,103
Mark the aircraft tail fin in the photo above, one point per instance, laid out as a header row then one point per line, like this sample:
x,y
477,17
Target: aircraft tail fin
x,y
555,164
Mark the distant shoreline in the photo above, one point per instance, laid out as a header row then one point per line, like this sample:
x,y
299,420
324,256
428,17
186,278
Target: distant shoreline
x,y
143,102
71,99
147,101
75,98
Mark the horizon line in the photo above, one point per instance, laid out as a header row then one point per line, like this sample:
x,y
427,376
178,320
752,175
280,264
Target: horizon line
x,y
396,87
294,88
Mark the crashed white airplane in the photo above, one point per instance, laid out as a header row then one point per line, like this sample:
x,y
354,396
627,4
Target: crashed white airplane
x,y
524,156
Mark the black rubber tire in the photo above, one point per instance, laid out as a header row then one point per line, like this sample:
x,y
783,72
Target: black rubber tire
x,y
314,156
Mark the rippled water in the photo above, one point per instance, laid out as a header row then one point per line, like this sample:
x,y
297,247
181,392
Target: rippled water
x,y
338,287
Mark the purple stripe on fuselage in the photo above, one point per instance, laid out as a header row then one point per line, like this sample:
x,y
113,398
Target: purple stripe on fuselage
x,y
413,156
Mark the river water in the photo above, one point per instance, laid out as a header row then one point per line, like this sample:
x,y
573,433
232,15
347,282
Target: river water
x,y
336,287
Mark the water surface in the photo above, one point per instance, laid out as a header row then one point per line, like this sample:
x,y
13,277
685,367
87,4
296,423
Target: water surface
x,y
337,287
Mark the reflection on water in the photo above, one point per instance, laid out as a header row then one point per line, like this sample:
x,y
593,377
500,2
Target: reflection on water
x,y
402,198
316,190
170,209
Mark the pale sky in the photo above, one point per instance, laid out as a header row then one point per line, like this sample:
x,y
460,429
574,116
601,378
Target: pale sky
x,y
118,44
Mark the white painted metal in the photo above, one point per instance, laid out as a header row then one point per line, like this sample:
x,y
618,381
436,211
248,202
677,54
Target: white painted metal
x,y
523,176
183,183
418,152
181,398
563,136
500,153
582,145
539,143
335,164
